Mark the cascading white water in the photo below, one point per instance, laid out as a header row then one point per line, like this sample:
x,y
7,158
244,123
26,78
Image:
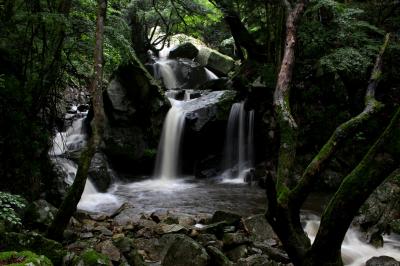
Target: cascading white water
x,y
210,74
168,155
164,69
239,144
73,139
355,252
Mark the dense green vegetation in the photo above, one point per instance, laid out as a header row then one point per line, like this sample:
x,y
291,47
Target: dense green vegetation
x,y
316,57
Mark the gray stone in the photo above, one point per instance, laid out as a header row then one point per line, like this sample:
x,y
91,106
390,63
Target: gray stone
x,y
214,60
382,261
184,50
210,107
273,253
184,252
258,228
99,173
209,240
235,239
229,217
217,257
173,228
237,253
107,248
40,214
256,260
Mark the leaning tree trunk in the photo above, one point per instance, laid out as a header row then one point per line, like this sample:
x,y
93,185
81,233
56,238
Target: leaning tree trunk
x,y
68,206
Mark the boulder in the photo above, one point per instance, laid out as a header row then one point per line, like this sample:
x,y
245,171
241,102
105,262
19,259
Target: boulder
x,y
39,214
235,239
135,108
217,257
108,249
99,172
184,50
237,253
34,242
210,107
229,217
382,261
258,228
185,251
23,258
217,62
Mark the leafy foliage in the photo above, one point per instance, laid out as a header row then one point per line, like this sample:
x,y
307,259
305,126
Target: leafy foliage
x,y
9,203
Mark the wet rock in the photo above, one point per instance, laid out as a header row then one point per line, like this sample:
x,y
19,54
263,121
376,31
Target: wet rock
x,y
99,173
215,228
235,239
229,217
217,84
258,228
256,260
173,228
34,242
124,244
382,261
209,240
134,258
237,253
135,107
91,258
214,60
107,248
185,251
208,108
184,50
154,249
39,214
218,258
103,230
273,253
395,226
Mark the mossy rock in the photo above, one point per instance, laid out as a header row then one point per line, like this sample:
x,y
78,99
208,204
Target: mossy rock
x,y
32,241
23,258
91,258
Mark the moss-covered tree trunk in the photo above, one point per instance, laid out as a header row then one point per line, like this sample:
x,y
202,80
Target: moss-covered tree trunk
x,y
68,206
286,196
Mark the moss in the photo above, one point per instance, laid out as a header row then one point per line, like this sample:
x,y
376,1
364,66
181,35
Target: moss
x,y
91,258
24,258
35,242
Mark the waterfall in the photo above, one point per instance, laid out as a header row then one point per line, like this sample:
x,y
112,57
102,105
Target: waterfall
x,y
167,163
210,74
164,69
238,154
74,139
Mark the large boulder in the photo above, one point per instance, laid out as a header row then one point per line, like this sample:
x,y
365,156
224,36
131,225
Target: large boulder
x,y
258,228
184,50
135,107
34,242
382,261
185,251
99,172
208,108
215,61
39,214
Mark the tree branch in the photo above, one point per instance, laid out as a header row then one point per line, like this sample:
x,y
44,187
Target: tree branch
x,y
349,128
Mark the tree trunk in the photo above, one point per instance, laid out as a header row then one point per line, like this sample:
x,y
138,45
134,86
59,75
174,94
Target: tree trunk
x,y
285,220
381,160
68,206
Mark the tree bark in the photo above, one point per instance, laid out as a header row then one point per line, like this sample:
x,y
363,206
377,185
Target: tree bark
x,y
284,220
349,128
381,160
68,206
